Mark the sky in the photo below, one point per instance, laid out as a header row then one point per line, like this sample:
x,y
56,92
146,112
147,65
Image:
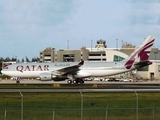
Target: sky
x,y
29,26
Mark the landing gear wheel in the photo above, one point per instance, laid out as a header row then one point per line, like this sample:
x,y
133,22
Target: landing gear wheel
x,y
75,82
69,81
17,81
81,82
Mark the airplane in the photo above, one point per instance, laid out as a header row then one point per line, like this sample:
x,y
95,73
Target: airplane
x,y
76,71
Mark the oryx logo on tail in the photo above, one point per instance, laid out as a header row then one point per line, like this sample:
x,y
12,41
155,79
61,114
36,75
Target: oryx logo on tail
x,y
142,53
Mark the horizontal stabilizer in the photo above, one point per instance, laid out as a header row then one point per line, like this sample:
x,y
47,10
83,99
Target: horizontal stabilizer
x,y
142,64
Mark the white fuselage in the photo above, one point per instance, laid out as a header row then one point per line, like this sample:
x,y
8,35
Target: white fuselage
x,y
96,69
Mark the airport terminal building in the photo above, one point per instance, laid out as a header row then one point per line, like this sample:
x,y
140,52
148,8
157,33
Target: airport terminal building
x,y
101,53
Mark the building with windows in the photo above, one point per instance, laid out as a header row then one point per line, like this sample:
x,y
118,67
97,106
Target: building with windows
x,y
62,55
99,53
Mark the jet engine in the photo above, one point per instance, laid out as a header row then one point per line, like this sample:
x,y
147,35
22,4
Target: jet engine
x,y
46,76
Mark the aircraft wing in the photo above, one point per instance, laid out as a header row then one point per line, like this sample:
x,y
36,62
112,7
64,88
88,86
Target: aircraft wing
x,y
142,63
69,69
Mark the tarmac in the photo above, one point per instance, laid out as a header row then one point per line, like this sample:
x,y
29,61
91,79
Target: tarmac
x,y
34,81
103,86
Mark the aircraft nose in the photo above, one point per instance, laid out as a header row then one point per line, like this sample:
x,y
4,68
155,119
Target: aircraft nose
x,y
2,71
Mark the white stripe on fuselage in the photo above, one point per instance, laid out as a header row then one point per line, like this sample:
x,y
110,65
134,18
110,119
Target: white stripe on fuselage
x,y
96,73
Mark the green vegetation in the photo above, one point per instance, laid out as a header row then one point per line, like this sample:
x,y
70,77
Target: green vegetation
x,y
40,106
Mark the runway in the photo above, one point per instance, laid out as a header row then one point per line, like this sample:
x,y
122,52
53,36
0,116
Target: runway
x,y
25,81
101,86
77,90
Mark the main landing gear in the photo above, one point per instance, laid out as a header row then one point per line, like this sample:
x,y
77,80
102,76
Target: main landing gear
x,y
18,79
76,81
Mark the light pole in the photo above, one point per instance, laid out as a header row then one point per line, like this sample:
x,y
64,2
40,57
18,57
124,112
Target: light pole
x,y
16,58
122,43
116,43
91,44
67,44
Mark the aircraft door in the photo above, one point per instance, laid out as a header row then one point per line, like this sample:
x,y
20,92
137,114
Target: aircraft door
x,y
152,76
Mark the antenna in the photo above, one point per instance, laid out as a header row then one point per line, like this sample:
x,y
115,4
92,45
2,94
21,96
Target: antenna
x,y
67,44
91,44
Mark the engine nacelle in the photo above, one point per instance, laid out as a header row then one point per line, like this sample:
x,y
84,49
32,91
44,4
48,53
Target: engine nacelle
x,y
46,76
82,74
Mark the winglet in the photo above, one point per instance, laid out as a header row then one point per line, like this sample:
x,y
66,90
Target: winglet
x,y
81,63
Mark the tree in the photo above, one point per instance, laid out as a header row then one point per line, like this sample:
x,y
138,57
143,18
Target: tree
x,y
27,60
1,59
35,59
7,59
22,59
14,59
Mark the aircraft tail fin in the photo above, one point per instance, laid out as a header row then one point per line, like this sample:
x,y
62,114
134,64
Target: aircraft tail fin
x,y
140,57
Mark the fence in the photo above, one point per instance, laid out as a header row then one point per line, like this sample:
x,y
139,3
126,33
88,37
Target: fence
x,y
75,114
80,106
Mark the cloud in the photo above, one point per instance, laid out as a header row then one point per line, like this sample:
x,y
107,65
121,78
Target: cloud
x,y
27,18
31,26
26,24
146,12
